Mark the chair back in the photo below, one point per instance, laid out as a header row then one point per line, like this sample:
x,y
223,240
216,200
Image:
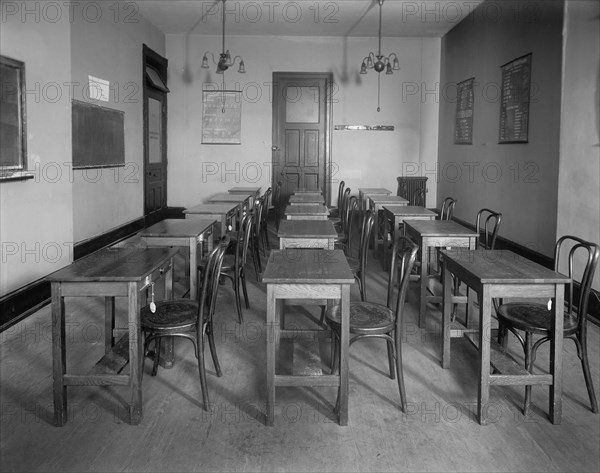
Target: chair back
x,y
447,209
344,209
267,198
258,210
419,197
210,284
340,197
352,217
277,203
589,253
241,250
404,255
365,234
487,225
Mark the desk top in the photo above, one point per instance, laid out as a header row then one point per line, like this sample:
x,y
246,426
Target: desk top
x,y
308,191
306,209
379,199
501,267
374,190
244,190
175,228
306,198
307,266
114,264
306,228
408,211
442,228
226,197
216,208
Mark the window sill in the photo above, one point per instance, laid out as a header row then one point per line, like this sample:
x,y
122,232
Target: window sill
x,y
16,176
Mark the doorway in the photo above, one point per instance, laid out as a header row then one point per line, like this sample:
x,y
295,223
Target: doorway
x,y
301,131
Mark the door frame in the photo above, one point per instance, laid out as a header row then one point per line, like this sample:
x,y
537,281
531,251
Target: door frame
x,y
328,76
160,64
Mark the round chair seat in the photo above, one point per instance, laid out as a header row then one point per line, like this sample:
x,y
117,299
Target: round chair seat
x,y
173,314
365,317
531,317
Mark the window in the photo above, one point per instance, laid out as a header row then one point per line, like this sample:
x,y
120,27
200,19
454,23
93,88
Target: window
x,y
13,136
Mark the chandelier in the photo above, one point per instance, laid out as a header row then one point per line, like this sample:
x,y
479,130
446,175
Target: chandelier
x,y
225,61
379,62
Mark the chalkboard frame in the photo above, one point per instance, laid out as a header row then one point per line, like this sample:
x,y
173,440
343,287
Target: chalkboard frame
x,y
94,148
213,131
522,102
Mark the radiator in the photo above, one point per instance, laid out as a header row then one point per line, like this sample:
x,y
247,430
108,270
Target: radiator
x,y
408,185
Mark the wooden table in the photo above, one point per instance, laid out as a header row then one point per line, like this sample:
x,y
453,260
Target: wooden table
x,y
306,212
308,191
245,190
497,274
396,214
244,201
377,201
306,274
108,273
225,212
431,234
306,198
307,234
188,233
362,196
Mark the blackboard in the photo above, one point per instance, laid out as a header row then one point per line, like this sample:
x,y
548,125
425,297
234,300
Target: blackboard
x,y
514,100
222,117
463,122
98,136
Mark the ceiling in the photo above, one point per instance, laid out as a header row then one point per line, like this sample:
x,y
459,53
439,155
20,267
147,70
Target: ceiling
x,y
423,18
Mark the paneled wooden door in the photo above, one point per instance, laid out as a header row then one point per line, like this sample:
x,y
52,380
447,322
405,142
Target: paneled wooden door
x,y
301,131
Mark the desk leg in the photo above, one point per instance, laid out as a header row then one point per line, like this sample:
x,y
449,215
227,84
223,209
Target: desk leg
x,y
58,355
446,316
556,350
273,309
344,353
193,267
423,282
136,355
485,311
109,323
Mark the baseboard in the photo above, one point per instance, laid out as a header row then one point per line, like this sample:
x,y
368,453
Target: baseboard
x,y
19,304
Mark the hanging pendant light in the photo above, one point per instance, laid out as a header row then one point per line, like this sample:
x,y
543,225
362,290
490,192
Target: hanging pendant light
x,y
225,61
379,62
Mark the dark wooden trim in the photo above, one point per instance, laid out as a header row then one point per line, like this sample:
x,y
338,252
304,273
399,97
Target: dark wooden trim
x,y
84,248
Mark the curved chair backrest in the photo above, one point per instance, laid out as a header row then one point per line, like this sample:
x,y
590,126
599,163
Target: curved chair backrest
x,y
277,203
419,197
404,255
340,197
267,197
210,284
241,253
588,252
352,215
487,221
365,234
344,209
447,208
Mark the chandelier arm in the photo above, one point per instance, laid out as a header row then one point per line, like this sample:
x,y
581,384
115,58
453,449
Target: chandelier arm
x,y
223,49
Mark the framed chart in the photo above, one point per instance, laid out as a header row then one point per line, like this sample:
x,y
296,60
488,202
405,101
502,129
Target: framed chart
x,y
514,100
463,122
222,117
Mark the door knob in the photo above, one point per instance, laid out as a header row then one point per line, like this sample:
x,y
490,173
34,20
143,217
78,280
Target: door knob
x,y
274,148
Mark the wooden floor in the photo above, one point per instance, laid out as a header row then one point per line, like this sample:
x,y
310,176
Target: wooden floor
x,y
437,433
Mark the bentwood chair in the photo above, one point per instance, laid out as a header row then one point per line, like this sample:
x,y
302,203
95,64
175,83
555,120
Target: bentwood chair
x,y
274,209
342,226
447,209
359,265
264,232
188,318
536,319
419,197
256,237
373,320
335,212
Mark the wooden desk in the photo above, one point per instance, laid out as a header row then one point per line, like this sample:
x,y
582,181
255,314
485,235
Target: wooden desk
x,y
188,233
497,274
306,274
306,198
307,234
224,212
108,273
306,212
308,191
362,196
431,234
396,214
377,201
245,190
244,201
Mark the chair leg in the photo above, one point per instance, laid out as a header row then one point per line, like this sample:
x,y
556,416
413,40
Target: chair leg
x,y
390,350
238,302
400,373
157,343
245,289
213,351
528,367
202,373
363,287
587,374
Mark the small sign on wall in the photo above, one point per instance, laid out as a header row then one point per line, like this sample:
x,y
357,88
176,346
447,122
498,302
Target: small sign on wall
x,y
99,89
514,100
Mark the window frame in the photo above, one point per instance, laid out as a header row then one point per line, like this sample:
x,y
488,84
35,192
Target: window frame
x,y
10,170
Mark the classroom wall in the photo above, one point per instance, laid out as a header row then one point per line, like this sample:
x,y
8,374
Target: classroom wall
x,y
579,167
519,180
107,43
36,225
360,158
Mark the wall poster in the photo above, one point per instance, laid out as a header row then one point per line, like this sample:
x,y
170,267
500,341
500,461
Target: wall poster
x,y
514,100
463,123
222,116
